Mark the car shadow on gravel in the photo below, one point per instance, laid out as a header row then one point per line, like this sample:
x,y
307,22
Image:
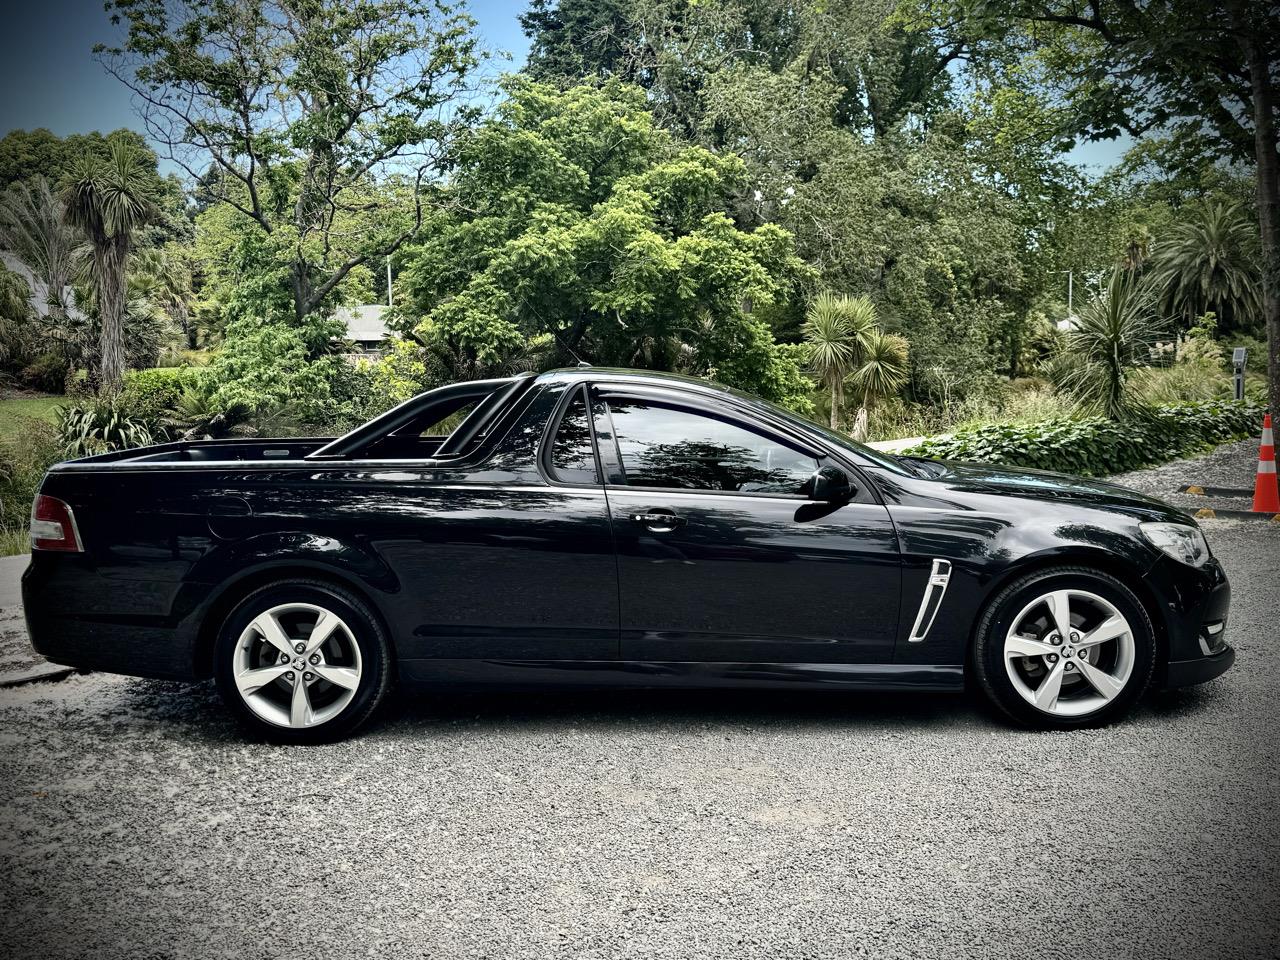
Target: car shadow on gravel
x,y
194,711
660,709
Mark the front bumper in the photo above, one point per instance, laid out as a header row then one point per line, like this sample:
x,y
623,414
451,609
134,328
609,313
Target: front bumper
x,y
1194,603
1185,673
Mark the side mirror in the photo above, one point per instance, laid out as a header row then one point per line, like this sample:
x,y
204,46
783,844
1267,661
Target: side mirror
x,y
830,484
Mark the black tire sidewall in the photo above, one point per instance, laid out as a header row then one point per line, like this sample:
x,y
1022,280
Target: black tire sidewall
x,y
995,624
365,629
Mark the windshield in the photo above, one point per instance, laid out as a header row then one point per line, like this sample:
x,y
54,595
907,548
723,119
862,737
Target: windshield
x,y
831,436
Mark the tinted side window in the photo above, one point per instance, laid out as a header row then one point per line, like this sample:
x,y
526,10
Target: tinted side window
x,y
661,447
572,459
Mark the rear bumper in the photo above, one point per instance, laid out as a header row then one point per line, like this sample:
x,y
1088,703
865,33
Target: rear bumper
x,y
1185,673
77,618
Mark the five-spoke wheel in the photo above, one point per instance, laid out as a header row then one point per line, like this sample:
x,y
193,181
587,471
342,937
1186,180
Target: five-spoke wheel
x,y
1069,652
302,661
1066,647
297,665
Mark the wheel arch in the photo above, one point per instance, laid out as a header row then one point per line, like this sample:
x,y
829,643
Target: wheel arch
x,y
233,591
1121,568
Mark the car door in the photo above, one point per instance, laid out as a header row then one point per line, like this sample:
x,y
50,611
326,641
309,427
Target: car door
x,y
721,554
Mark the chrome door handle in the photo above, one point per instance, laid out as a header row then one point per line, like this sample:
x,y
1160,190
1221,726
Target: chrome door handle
x,y
658,522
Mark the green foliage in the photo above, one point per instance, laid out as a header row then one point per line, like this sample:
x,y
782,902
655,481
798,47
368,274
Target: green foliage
x,y
15,316
837,330
884,367
27,154
265,364
1096,446
33,447
110,200
322,120
579,219
1113,335
1208,261
100,426
196,414
396,376
47,372
147,394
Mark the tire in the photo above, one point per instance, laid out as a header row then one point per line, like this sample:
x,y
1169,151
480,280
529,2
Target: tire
x,y
315,695
1099,680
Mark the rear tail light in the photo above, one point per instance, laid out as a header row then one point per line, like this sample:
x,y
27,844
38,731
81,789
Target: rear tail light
x,y
53,526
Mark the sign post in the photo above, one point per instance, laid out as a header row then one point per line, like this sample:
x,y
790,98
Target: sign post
x,y
1238,357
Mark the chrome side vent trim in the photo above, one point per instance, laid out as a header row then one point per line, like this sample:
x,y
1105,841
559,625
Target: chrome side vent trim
x,y
934,591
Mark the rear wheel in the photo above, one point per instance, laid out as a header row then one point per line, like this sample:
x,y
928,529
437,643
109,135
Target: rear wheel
x,y
1063,648
302,661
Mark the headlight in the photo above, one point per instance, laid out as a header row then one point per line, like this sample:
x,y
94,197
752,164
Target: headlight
x,y
1179,540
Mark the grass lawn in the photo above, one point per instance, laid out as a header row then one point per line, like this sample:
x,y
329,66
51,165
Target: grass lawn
x,y
15,406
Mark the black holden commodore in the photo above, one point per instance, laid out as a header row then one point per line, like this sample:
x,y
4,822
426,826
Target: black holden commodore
x,y
611,528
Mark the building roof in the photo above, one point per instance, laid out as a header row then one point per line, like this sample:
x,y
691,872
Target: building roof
x,y
365,324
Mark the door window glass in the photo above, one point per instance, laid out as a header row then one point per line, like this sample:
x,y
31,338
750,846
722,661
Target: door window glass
x,y
662,447
572,459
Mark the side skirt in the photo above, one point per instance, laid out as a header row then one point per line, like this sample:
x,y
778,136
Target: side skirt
x,y
612,674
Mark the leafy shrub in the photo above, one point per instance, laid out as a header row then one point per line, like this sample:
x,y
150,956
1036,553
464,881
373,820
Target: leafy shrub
x,y
23,460
100,427
1096,446
147,394
264,366
46,373
196,415
181,357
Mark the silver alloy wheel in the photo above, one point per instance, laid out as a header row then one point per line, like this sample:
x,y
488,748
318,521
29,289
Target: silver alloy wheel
x,y
297,665
1069,653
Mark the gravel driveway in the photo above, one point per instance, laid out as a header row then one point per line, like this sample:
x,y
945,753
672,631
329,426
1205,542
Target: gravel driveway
x,y
136,822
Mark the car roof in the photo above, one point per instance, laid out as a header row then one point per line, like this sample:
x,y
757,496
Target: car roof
x,y
656,377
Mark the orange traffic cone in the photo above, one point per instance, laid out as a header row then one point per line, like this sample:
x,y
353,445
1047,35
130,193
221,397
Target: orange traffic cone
x,y
1266,494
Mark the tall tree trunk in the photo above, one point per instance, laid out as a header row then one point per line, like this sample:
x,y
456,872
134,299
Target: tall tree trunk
x,y
835,402
112,257
1264,139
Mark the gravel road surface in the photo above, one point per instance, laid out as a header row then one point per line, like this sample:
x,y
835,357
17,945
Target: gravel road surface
x,y
135,821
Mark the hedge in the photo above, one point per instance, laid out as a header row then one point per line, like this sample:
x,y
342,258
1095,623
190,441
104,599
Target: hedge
x,y
1096,446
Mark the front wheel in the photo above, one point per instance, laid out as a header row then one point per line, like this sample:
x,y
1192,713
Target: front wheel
x,y
302,661
1064,648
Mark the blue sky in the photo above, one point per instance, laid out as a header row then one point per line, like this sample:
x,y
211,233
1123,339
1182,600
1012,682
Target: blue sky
x,y
50,79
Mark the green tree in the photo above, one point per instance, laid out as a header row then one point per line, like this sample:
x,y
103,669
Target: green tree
x,y
837,329
15,315
304,112
34,228
884,368
109,201
572,214
163,277
1112,337
885,74
25,154
1206,263
1203,72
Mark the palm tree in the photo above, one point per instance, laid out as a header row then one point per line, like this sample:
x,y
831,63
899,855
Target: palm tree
x,y
837,329
109,201
1114,334
163,279
884,368
1207,263
34,229
15,312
